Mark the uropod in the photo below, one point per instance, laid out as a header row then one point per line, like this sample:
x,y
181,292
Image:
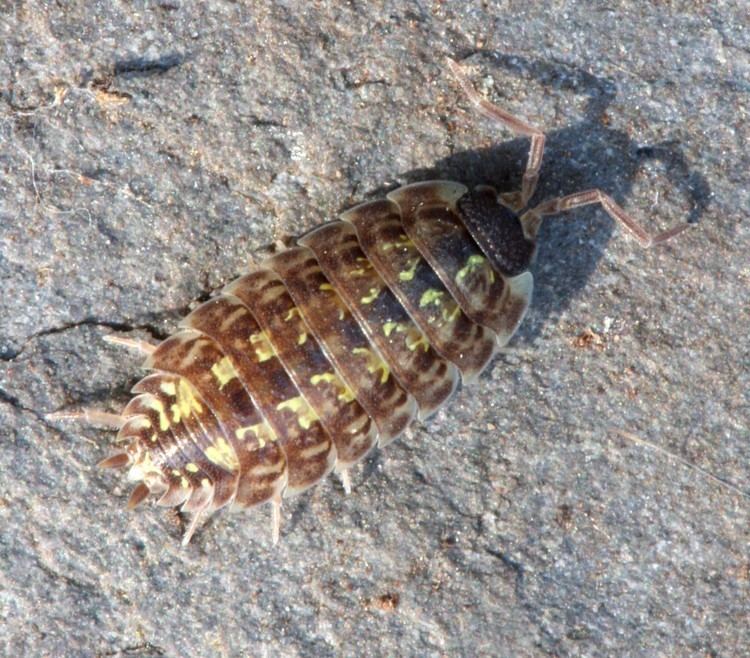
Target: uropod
x,y
334,346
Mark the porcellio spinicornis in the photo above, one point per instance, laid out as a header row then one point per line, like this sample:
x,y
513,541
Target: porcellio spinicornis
x,y
334,346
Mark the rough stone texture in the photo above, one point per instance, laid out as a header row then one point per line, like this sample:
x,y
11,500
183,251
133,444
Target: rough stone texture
x,y
147,149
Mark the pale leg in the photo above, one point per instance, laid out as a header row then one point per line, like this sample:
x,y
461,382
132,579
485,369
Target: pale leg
x,y
141,346
513,123
589,197
275,519
192,526
90,416
346,481
104,418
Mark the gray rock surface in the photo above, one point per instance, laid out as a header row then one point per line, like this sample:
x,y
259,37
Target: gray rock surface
x,y
147,149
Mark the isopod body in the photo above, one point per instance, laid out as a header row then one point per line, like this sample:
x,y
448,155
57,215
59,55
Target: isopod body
x,y
334,346
322,352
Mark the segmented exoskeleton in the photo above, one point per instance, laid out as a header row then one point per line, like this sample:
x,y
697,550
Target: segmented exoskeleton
x,y
336,345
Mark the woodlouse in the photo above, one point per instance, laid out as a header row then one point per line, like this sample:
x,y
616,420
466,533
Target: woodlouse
x,y
335,345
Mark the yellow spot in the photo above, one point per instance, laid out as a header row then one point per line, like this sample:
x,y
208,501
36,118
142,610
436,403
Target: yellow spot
x,y
371,297
263,348
306,415
293,404
205,482
222,454
186,402
415,339
431,296
191,468
168,388
450,314
262,432
473,263
408,273
388,327
326,287
224,371
374,363
184,483
158,406
328,377
154,437
176,472
302,338
365,266
344,393
398,327
291,313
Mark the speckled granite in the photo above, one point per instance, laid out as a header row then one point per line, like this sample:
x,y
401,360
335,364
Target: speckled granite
x,y
147,149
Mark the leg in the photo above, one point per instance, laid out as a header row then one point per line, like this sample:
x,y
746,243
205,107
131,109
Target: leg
x,y
192,526
275,518
493,112
141,346
346,481
561,204
103,418
90,416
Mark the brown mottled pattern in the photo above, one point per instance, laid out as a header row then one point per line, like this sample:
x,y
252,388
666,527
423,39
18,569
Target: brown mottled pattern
x,y
352,430
346,345
309,451
427,376
382,238
325,350
191,355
